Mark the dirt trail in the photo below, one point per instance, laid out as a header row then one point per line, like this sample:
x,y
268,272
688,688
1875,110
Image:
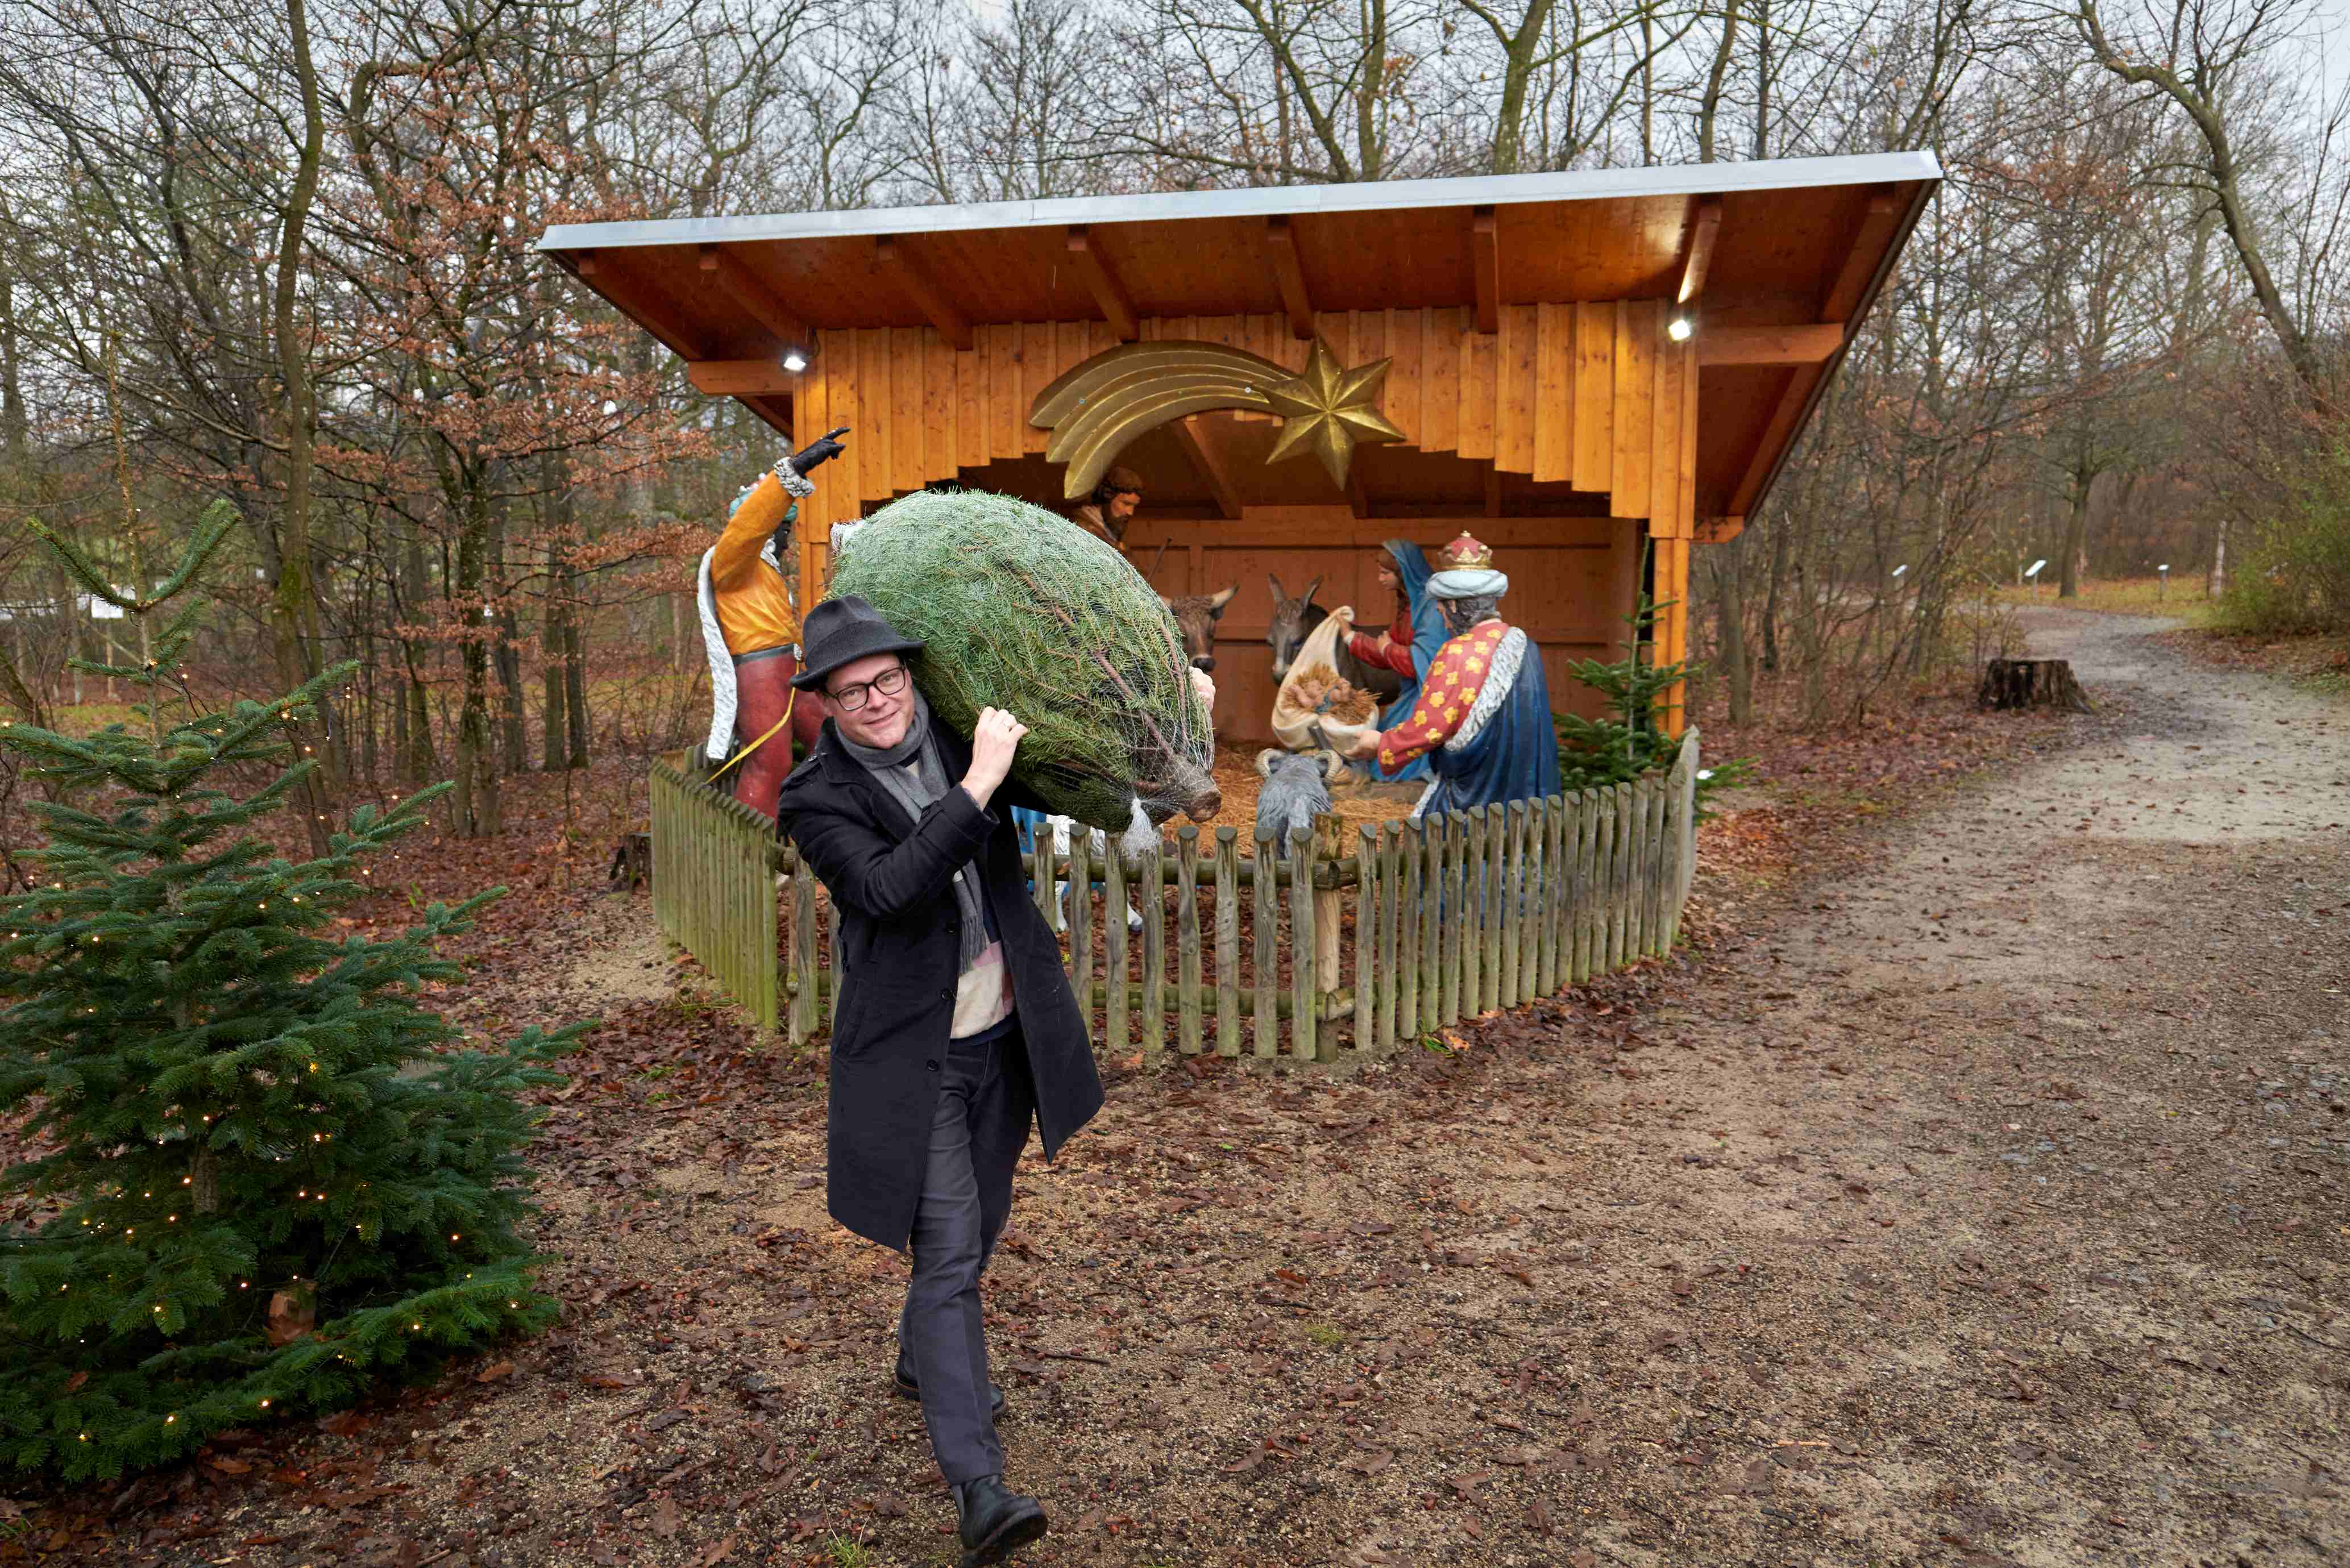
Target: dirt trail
x,y
2036,1135
1988,1210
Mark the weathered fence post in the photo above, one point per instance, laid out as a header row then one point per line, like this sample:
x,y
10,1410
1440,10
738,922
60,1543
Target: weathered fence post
x,y
1391,839
804,966
1266,927
1304,946
1150,898
1431,930
1603,879
1457,945
1411,851
1554,878
1329,920
1186,939
1518,959
1040,877
1116,1036
1367,975
1081,918
1228,942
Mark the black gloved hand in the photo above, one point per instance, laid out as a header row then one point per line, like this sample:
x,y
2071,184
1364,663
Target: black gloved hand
x,y
821,450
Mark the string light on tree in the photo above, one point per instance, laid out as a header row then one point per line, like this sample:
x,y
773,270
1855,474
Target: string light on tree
x,y
233,1192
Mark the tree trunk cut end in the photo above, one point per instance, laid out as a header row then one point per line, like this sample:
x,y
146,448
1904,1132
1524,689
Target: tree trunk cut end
x,y
2031,683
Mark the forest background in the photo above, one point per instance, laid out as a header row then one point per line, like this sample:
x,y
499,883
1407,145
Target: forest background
x,y
282,250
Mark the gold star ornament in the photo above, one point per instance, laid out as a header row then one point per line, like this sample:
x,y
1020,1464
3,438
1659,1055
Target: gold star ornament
x,y
1328,410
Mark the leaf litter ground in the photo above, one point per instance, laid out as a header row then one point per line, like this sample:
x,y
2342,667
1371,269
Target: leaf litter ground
x,y
1973,1197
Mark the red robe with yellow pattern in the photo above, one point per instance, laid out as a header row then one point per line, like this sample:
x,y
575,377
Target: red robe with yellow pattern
x,y
1445,697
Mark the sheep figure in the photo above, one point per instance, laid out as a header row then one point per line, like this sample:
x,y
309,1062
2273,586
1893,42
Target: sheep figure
x,y
1297,789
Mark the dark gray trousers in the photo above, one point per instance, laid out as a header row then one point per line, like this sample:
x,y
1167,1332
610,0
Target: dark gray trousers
x,y
986,1102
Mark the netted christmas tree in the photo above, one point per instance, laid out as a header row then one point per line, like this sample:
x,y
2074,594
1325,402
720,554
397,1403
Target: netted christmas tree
x,y
1022,611
262,1181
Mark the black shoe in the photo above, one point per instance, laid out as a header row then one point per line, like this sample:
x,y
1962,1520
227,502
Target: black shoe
x,y
994,1520
909,1389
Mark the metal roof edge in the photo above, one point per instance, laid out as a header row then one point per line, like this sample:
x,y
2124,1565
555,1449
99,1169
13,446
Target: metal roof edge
x,y
1478,190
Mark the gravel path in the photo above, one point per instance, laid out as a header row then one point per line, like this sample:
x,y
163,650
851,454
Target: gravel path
x,y
2035,1136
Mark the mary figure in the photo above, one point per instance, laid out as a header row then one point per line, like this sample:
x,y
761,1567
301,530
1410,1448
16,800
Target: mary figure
x,y
1409,645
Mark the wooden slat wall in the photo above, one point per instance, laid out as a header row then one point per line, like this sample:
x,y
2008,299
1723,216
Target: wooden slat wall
x,y
1581,393
1591,395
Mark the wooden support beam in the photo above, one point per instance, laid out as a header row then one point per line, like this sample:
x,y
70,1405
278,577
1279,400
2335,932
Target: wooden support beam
x,y
1719,530
1289,273
1774,438
923,290
617,282
1199,450
1862,255
1358,498
777,412
744,288
1697,255
1485,268
1768,345
740,377
1493,492
1117,308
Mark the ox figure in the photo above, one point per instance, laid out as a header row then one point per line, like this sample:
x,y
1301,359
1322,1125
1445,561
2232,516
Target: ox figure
x,y
1195,616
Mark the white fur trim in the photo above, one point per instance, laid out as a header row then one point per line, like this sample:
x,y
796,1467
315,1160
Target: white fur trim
x,y
1500,674
722,666
1468,583
798,485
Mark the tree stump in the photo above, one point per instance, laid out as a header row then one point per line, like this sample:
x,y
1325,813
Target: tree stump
x,y
2031,683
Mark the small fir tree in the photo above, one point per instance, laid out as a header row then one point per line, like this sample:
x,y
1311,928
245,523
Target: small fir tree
x,y
1594,753
268,1183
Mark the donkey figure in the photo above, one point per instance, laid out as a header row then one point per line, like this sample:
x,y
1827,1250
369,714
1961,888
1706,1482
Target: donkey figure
x,y
1295,618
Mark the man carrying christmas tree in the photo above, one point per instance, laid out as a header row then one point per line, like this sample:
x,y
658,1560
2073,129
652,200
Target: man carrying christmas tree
x,y
751,631
1483,719
957,1028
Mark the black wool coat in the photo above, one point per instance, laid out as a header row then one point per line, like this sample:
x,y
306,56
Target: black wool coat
x,y
899,956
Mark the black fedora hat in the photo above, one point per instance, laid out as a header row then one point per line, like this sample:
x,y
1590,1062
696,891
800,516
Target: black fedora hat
x,y
842,631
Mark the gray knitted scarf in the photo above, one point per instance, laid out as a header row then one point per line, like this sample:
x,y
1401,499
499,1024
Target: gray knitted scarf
x,y
915,774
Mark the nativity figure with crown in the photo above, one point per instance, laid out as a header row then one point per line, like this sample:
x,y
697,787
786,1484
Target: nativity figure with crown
x,y
1483,717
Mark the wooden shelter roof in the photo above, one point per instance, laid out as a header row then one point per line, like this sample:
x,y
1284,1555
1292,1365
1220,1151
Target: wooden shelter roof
x,y
1778,261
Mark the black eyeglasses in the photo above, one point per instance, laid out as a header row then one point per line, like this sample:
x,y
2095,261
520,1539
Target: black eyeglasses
x,y
888,683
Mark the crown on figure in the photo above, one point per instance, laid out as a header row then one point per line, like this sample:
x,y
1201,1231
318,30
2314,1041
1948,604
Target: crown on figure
x,y
1465,554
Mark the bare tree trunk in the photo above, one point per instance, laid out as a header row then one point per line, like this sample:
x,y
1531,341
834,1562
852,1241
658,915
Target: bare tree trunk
x,y
415,761
293,606
1728,566
556,746
476,797
1709,106
515,724
574,680
2071,555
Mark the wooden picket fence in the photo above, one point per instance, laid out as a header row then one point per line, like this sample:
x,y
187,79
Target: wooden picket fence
x,y
1363,937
